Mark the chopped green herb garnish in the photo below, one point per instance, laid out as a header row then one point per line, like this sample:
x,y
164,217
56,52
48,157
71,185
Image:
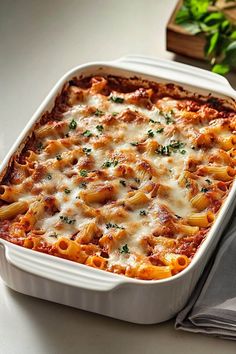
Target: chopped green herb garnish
x,y
124,249
99,128
87,151
204,190
83,185
163,150
150,133
39,146
143,213
113,226
123,183
160,130
67,191
83,173
168,117
134,144
67,220
73,124
152,121
176,145
49,176
137,180
115,113
53,235
187,183
67,135
208,181
87,133
178,217
107,164
98,113
116,99
58,157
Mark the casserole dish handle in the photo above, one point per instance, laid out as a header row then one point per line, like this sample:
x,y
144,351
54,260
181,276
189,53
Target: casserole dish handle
x,y
179,72
59,270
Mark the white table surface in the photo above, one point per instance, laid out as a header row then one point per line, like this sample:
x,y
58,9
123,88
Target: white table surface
x,y
39,42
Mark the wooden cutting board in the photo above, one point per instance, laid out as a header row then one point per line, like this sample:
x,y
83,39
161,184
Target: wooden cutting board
x,y
179,41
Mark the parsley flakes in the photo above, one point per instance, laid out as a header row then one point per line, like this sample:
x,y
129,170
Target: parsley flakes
x,y
67,220
58,157
83,173
107,164
124,249
73,124
174,147
142,213
100,128
87,151
39,146
116,99
114,226
168,117
160,130
87,133
98,113
123,183
150,133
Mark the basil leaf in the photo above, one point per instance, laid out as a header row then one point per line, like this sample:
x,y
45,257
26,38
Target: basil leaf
x,y
233,35
213,18
212,43
226,26
221,69
198,8
230,54
182,15
191,27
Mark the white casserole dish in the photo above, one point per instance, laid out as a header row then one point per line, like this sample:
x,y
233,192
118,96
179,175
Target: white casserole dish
x,y
90,289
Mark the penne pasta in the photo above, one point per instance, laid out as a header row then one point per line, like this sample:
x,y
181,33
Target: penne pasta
x,y
228,143
177,261
10,211
200,201
201,219
96,262
151,272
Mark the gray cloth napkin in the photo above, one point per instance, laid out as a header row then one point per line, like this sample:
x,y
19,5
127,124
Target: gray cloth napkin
x,y
212,308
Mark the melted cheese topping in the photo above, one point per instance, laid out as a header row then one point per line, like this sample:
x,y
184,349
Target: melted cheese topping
x,y
88,167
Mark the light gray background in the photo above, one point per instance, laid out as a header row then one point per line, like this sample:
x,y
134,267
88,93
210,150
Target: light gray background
x,y
39,42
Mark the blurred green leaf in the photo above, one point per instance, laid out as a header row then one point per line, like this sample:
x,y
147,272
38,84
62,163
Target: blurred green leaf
x,y
182,15
230,54
198,8
191,27
212,43
213,18
225,26
221,69
220,33
233,35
